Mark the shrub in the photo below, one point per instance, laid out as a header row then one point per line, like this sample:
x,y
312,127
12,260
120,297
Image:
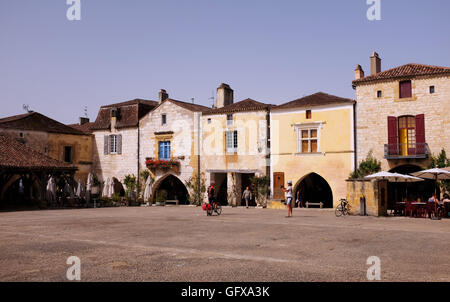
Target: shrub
x,y
366,167
196,192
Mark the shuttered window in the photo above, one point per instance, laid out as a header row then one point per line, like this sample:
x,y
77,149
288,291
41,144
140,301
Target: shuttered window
x,y
405,89
113,144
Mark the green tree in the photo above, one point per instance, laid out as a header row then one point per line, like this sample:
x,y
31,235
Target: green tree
x,y
130,183
262,184
196,192
441,161
366,167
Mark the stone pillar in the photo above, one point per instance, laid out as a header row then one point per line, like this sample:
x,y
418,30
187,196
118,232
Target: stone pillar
x,y
231,187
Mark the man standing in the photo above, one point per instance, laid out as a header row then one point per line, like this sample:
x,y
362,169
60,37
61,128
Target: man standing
x,y
288,192
247,196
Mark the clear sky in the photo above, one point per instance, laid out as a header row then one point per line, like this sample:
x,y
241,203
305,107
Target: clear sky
x,y
271,51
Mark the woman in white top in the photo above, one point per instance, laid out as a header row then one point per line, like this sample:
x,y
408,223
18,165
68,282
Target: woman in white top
x,y
289,198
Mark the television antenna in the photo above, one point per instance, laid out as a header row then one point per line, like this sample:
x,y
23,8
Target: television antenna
x,y
85,112
26,107
212,98
192,99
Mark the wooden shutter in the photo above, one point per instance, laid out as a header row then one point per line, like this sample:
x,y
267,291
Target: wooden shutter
x,y
106,145
119,144
405,89
420,134
392,135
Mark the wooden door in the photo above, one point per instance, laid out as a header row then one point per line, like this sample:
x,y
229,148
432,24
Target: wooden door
x,y
278,183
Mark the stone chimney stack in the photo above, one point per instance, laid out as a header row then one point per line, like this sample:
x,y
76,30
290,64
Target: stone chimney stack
x,y
83,120
375,64
224,96
162,95
359,72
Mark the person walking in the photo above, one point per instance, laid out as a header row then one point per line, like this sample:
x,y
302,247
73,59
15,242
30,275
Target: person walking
x,y
299,199
247,196
288,192
211,194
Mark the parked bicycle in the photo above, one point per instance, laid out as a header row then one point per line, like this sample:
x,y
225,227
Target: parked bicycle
x,y
342,208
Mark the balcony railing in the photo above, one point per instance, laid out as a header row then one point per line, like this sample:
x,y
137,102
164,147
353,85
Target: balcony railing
x,y
403,151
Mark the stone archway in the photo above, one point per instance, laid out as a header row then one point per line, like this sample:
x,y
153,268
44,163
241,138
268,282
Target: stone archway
x,y
172,188
314,188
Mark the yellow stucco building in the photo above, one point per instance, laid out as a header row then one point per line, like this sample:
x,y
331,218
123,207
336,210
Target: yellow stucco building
x,y
312,144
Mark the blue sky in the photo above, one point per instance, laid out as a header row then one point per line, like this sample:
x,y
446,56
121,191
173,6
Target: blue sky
x,y
271,51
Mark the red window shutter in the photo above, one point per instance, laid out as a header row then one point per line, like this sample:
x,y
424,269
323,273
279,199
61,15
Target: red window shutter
x,y
392,135
405,89
420,134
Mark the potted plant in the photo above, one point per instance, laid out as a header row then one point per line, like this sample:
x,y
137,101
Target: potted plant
x,y
95,185
160,199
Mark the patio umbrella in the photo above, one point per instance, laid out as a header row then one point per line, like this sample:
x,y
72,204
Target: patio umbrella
x,y
436,174
51,189
79,188
90,180
148,188
111,188
106,187
394,177
407,179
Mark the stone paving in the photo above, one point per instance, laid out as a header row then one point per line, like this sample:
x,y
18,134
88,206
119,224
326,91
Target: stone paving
x,y
183,244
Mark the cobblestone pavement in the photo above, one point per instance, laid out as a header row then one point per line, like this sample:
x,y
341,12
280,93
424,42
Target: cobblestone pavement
x,y
183,244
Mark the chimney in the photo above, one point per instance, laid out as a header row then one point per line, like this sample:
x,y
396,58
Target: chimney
x,y
224,96
163,95
83,120
359,72
375,64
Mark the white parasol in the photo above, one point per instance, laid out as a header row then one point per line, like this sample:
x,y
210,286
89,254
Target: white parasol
x,y
106,187
148,189
436,174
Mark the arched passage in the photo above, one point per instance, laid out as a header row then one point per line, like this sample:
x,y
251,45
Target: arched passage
x,y
172,188
314,188
411,191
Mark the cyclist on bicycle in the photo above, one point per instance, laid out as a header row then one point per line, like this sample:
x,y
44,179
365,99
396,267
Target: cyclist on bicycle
x,y
212,195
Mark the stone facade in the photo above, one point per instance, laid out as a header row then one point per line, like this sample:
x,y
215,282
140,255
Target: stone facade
x,y
250,158
334,159
372,113
179,129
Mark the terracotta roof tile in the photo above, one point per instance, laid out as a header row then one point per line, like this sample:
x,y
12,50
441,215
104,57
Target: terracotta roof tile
x,y
37,122
408,70
242,106
18,156
316,99
130,113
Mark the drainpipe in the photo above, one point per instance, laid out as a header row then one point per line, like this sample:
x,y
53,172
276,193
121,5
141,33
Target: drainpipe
x,y
355,143
138,153
198,155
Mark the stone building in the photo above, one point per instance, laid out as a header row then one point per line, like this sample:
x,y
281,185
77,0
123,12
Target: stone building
x,y
402,118
235,144
53,139
312,144
169,146
116,140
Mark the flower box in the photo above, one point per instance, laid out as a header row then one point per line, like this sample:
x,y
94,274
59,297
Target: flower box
x,y
161,164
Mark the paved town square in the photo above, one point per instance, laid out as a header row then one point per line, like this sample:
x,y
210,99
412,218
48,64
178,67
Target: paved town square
x,y
183,244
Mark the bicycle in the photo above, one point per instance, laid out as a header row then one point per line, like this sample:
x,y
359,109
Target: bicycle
x,y
215,207
342,208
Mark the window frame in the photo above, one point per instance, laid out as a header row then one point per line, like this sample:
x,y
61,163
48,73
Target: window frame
x,y
299,139
113,141
432,89
65,154
379,94
163,119
231,138
166,149
400,96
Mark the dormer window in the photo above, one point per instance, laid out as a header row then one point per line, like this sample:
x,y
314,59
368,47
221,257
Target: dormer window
x,y
405,89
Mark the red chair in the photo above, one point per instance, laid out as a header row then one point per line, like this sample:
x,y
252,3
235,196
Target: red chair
x,y
410,209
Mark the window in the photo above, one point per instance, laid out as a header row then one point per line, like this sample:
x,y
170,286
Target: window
x,y
209,121
379,94
163,119
231,141
405,89
431,89
67,154
164,150
113,144
406,135
308,114
21,134
229,119
307,140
